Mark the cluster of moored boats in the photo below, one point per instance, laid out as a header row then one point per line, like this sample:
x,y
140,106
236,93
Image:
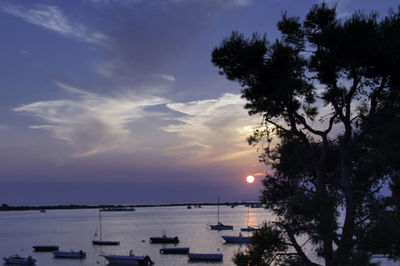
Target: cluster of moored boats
x,y
132,259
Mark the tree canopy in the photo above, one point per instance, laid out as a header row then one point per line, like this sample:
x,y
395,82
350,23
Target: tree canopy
x,y
329,94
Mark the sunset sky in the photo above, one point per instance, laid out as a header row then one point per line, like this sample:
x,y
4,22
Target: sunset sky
x,y
118,102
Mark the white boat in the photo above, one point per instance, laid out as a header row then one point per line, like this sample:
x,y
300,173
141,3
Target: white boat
x,y
15,259
237,239
100,241
219,225
206,256
69,254
128,260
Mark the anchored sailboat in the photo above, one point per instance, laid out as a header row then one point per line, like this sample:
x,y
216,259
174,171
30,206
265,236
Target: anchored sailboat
x,y
219,225
101,242
248,228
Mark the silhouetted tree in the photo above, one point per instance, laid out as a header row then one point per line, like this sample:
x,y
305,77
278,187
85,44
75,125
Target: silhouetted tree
x,y
328,92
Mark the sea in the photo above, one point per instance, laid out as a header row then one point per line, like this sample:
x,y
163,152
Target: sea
x,y
75,229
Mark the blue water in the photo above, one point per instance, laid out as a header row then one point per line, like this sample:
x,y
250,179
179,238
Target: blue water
x,y
74,229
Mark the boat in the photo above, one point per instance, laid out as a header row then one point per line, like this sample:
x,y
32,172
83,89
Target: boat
x,y
248,228
128,260
118,209
42,210
15,259
205,256
164,239
69,254
174,250
100,241
219,225
45,248
189,207
237,239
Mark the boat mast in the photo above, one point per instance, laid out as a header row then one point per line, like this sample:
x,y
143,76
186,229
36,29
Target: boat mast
x,y
248,213
218,209
101,234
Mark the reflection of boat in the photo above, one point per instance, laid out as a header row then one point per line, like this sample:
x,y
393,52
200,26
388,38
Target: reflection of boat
x,y
15,259
237,239
164,239
128,260
118,209
248,228
219,225
45,248
101,242
70,254
174,250
206,256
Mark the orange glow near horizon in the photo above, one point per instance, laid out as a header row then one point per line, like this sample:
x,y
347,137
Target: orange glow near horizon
x,y
250,179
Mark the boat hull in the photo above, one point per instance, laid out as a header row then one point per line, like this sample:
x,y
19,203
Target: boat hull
x,y
205,256
237,239
105,243
221,227
164,240
248,229
17,260
128,260
46,248
69,254
174,250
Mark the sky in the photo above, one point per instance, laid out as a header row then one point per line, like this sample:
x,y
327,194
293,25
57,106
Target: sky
x,y
117,101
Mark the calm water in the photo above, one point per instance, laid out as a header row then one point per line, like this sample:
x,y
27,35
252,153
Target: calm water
x,y
74,229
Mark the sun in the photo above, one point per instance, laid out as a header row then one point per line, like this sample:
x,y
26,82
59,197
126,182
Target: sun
x,y
250,179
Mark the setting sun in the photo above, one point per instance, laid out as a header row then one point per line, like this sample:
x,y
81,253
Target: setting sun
x,y
250,179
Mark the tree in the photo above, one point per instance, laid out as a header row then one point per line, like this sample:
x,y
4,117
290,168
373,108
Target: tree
x,y
328,92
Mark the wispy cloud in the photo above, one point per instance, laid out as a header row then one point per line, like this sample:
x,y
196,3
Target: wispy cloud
x,y
167,77
215,130
52,18
93,123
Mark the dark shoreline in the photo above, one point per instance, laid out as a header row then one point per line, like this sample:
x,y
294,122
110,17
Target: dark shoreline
x,y
5,207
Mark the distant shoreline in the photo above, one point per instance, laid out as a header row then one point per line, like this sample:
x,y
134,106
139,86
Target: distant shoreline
x,y
6,207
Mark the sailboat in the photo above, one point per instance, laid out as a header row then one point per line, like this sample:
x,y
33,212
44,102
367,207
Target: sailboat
x,y
101,242
219,225
248,228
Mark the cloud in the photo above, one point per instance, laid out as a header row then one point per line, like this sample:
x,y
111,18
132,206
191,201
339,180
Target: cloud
x,y
94,123
52,18
167,77
214,130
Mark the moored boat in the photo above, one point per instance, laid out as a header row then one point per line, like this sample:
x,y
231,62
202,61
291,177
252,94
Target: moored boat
x,y
100,241
128,260
205,256
237,239
174,250
69,254
164,239
15,259
219,225
45,248
248,229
